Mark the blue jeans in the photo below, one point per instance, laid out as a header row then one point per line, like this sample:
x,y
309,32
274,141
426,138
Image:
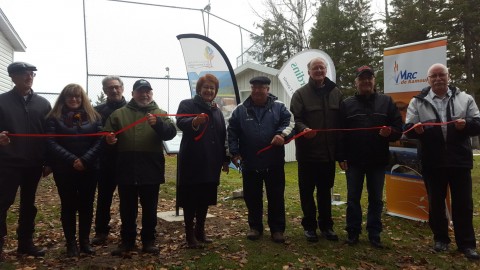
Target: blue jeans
x,y
375,181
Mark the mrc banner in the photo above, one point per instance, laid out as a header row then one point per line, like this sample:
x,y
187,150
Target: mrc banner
x,y
405,75
202,55
294,73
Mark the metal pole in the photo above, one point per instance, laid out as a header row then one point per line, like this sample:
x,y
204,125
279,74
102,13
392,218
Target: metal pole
x,y
168,89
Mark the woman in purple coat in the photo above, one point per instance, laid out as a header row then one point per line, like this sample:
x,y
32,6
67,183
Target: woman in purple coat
x,y
200,161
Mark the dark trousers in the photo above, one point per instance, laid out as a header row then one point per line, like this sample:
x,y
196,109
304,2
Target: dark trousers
x,y
129,195
77,193
10,180
318,175
106,187
274,179
375,182
460,182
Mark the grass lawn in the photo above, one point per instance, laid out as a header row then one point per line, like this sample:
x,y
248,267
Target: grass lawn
x,y
408,242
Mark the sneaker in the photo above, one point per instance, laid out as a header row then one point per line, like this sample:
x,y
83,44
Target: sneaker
x,y
471,254
31,250
100,239
330,235
311,236
375,242
440,246
278,237
122,249
352,239
253,234
149,247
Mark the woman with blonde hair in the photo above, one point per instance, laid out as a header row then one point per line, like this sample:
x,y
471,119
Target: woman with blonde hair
x,y
74,162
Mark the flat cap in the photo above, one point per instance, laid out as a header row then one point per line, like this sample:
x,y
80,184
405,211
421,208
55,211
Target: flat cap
x,y
142,83
18,67
260,80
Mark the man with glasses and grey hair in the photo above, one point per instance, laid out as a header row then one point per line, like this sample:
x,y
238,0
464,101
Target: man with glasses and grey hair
x,y
21,158
113,89
446,156
316,106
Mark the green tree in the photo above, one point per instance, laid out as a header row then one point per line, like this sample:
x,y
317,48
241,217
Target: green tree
x,y
346,31
284,32
101,99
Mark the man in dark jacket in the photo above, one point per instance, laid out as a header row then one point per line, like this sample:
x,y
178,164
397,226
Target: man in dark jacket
x,y
21,158
315,106
365,153
113,88
140,164
446,155
258,122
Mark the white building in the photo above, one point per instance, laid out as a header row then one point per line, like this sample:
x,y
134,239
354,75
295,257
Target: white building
x,y
10,42
249,70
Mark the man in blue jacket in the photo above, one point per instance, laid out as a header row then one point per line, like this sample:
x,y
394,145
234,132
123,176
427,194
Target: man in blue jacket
x,y
258,122
446,156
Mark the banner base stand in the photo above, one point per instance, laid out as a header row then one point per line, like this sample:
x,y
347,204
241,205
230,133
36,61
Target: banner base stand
x,y
171,216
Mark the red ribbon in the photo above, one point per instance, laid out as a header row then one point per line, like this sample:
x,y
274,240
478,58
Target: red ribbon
x,y
353,129
141,120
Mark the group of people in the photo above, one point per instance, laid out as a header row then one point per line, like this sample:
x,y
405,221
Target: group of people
x,y
354,131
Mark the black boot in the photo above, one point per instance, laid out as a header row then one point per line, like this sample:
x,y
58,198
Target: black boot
x,y
72,248
149,247
123,248
201,216
26,246
188,216
85,247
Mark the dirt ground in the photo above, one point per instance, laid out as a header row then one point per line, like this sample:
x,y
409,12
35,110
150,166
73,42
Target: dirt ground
x,y
170,237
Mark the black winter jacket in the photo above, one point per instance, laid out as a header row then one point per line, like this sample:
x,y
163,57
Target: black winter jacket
x,y
367,147
63,151
316,108
21,116
201,161
108,156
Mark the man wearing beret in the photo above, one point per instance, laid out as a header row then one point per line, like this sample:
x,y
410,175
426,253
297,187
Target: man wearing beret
x,y
140,164
261,121
365,153
315,106
21,158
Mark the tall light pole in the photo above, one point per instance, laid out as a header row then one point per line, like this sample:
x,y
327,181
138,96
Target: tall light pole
x,y
168,88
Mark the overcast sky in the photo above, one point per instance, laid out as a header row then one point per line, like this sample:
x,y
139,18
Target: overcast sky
x,y
123,38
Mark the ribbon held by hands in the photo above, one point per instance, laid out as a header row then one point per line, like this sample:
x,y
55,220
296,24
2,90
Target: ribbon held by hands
x,y
352,129
129,126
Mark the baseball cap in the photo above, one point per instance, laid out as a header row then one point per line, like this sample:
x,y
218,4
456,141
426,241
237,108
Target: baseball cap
x,y
365,70
142,83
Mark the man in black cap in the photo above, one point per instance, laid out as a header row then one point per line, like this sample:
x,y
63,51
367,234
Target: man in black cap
x,y
315,106
261,121
140,164
365,153
21,158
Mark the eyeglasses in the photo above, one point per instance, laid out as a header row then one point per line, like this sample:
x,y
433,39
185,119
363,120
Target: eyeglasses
x,y
73,97
28,74
206,87
258,87
439,75
114,87
318,68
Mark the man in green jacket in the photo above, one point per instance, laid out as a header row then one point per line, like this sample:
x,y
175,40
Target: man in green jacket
x,y
140,164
